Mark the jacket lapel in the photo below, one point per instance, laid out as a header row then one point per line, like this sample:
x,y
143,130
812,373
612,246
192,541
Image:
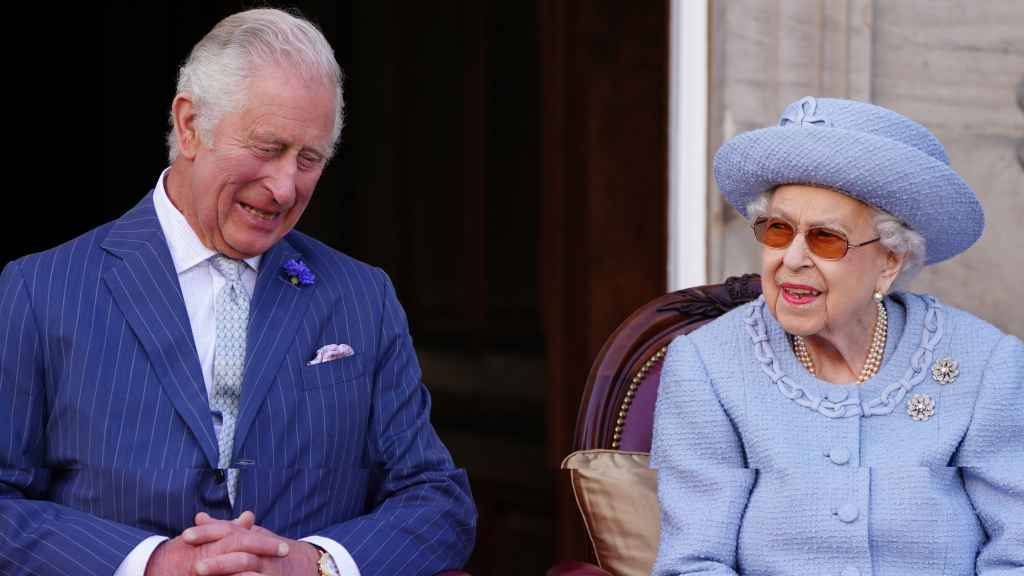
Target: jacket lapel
x,y
146,289
278,308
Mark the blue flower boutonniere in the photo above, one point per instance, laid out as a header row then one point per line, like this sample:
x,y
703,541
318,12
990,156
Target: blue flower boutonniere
x,y
296,272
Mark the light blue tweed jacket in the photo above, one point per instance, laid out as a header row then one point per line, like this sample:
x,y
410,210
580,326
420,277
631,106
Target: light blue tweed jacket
x,y
765,470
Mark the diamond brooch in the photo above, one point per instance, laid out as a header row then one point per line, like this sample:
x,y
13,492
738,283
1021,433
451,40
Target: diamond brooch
x,y
945,371
921,407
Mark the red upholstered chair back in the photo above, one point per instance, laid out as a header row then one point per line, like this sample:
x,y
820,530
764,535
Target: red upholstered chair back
x,y
617,409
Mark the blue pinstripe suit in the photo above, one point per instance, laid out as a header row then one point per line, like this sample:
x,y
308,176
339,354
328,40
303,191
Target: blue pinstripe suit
x,y
105,429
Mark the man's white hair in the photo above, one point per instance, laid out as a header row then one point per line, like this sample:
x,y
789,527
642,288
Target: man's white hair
x,y
896,236
217,71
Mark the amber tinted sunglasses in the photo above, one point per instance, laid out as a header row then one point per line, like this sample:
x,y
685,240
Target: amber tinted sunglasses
x,y
823,242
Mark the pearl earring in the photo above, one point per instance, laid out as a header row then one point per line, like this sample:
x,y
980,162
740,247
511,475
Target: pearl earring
x,y
878,296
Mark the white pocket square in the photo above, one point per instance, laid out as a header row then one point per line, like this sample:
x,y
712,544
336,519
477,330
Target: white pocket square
x,y
331,352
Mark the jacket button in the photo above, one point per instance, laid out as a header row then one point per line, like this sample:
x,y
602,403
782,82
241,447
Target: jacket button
x,y
839,456
218,476
851,571
848,513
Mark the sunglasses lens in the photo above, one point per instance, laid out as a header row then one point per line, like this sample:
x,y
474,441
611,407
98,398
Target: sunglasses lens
x,y
826,243
777,233
773,232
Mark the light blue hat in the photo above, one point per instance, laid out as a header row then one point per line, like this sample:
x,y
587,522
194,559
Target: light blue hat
x,y
865,151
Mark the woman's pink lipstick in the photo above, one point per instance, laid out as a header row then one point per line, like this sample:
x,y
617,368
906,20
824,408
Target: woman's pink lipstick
x,y
799,294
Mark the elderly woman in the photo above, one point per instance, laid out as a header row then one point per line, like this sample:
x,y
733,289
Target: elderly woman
x,y
836,425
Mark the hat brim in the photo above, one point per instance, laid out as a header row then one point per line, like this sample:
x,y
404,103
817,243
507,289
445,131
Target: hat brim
x,y
922,191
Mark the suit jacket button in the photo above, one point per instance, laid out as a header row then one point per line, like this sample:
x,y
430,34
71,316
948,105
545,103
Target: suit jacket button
x,y
839,456
848,513
218,476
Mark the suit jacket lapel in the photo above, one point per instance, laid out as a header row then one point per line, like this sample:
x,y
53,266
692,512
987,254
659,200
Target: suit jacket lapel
x,y
146,289
276,312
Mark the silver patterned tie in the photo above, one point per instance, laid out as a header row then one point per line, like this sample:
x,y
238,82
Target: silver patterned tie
x,y
229,359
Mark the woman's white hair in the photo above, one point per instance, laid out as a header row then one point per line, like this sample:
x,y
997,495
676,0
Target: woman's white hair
x,y
217,71
896,236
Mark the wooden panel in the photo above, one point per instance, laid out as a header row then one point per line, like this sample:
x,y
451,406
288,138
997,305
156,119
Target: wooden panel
x,y
444,138
605,87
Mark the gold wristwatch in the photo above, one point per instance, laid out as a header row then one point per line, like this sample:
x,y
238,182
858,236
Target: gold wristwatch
x,y
325,565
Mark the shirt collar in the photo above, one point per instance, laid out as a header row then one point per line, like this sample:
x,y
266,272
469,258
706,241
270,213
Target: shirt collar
x,y
187,251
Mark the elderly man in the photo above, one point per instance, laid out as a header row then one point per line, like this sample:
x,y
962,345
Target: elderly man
x,y
195,388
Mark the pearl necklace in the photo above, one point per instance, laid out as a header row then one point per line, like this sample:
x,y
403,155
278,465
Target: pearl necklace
x,y
875,352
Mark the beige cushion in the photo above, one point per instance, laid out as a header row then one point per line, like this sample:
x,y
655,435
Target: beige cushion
x,y
617,495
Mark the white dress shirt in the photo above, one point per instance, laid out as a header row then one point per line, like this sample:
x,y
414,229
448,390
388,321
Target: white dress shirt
x,y
200,283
